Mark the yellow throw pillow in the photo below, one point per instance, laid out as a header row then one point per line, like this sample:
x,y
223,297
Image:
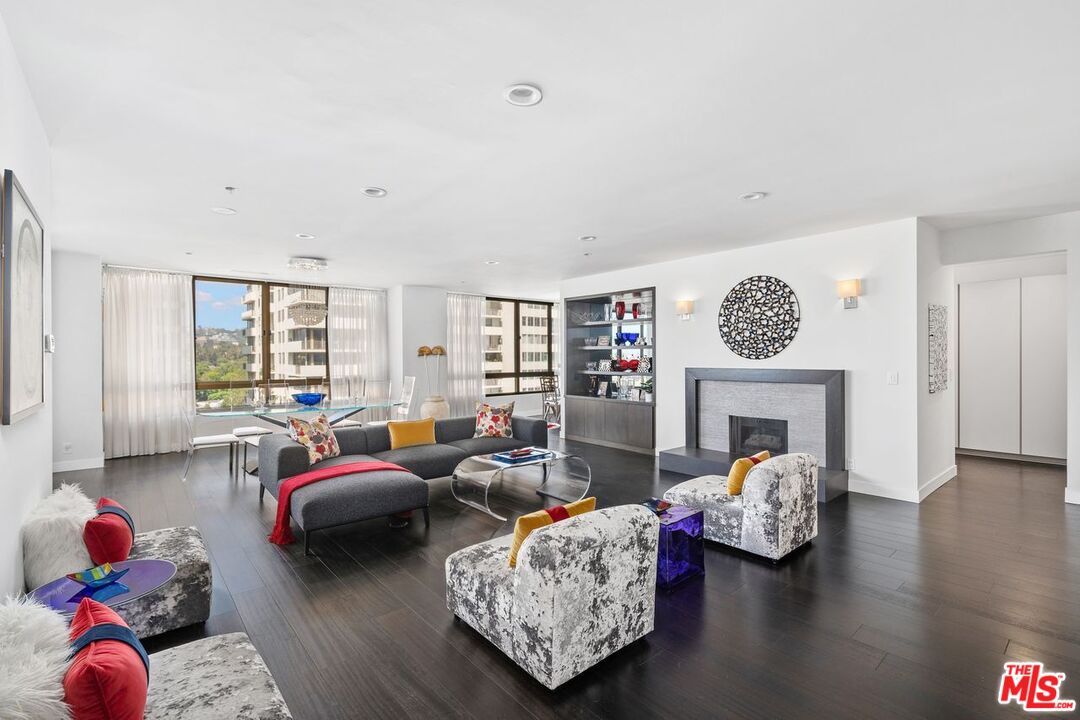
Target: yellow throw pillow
x,y
412,432
542,518
739,469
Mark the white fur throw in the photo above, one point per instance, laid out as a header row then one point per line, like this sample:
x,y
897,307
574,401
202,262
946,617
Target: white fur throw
x,y
53,536
33,659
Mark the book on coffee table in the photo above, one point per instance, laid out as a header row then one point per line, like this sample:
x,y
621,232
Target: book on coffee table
x,y
513,457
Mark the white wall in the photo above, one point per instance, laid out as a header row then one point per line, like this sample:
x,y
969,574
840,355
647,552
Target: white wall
x,y
26,446
423,322
1017,238
78,441
868,342
937,411
1031,266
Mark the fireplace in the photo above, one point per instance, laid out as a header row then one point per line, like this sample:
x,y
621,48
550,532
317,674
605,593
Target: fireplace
x,y
750,435
736,412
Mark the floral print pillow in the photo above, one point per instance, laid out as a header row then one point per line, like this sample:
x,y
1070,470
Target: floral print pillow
x,y
492,421
317,436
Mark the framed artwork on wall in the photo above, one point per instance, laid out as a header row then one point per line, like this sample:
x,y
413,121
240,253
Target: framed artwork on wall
x,y
22,239
938,324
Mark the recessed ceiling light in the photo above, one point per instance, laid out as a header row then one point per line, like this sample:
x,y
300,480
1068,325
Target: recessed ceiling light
x,y
491,262
307,263
523,95
231,188
756,195
587,238
375,192
188,252
223,210
305,236
587,254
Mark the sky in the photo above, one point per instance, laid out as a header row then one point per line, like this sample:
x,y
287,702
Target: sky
x,y
219,304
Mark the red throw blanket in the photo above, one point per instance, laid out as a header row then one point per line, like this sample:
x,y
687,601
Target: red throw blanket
x,y
282,534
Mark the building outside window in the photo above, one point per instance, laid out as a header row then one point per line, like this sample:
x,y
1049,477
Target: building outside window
x,y
251,336
519,346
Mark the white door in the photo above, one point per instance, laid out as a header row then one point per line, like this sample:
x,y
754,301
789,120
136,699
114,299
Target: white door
x,y
989,365
1042,366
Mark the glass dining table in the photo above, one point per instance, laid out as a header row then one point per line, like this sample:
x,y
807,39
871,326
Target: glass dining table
x,y
278,414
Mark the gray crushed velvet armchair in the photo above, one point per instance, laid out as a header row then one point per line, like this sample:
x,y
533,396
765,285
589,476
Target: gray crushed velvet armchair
x,y
583,588
775,514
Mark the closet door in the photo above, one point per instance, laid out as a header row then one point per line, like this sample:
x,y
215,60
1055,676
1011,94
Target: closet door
x,y
1042,366
989,365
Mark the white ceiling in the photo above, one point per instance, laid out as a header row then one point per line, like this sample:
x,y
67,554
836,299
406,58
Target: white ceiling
x,y
656,116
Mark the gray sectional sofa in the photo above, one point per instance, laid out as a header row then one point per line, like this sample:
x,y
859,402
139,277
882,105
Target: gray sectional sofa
x,y
363,496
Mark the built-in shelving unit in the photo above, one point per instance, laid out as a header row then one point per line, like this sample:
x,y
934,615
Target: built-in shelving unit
x,y
611,406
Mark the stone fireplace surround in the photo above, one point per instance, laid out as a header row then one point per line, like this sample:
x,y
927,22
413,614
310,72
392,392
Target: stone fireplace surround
x,y
811,401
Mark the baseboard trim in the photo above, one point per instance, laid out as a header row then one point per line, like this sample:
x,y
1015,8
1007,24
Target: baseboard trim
x,y
81,464
1072,495
943,477
864,487
1011,456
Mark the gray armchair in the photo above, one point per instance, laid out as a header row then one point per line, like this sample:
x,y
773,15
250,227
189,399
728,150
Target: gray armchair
x,y
775,514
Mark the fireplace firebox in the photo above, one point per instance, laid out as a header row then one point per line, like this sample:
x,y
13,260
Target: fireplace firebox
x,y
750,435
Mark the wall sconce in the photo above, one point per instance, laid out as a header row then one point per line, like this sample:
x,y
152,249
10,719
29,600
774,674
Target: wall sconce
x,y
684,309
849,291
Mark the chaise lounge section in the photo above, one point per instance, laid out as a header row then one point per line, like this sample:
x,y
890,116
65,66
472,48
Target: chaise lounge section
x,y
365,496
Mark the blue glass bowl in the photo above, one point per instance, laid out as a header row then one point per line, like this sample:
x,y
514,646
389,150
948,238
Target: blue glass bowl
x,y
308,398
620,338
630,338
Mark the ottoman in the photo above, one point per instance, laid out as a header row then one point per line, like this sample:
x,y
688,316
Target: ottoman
x,y
217,678
184,600
352,498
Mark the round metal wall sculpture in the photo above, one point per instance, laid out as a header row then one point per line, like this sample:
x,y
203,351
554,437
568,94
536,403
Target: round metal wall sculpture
x,y
759,317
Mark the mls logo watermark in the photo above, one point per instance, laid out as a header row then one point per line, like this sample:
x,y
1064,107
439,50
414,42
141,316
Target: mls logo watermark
x,y
1032,688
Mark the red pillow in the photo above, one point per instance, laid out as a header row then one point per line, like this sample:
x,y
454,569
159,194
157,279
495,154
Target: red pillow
x,y
109,536
107,679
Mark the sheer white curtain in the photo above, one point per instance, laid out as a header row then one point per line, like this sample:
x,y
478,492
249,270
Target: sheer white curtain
x,y
358,342
465,352
149,361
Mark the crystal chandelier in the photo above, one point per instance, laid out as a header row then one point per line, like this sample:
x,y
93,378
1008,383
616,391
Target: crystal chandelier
x,y
307,314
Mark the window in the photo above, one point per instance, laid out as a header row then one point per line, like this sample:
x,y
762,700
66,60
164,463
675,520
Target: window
x,y
252,334
518,345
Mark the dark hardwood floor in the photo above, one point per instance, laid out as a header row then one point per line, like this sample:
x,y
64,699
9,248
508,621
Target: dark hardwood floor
x,y
896,610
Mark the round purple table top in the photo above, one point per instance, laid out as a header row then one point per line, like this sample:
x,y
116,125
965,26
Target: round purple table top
x,y
143,577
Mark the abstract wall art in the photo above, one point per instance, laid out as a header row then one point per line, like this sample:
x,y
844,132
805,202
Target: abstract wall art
x,y
23,239
939,348
759,317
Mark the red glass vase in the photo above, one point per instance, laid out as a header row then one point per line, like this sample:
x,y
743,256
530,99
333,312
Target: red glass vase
x,y
620,310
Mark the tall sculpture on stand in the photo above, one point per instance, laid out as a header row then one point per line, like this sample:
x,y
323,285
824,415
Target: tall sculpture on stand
x,y
434,405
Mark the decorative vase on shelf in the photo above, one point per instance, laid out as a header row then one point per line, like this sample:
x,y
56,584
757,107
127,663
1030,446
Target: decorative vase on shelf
x,y
620,310
635,310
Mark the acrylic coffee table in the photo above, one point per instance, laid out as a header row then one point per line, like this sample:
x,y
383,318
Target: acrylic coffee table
x,y
682,546
562,476
143,577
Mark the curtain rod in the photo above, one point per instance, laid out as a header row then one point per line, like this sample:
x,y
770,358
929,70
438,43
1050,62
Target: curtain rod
x,y
234,277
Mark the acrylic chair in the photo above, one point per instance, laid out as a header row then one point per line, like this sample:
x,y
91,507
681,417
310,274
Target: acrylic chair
x,y
202,442
401,410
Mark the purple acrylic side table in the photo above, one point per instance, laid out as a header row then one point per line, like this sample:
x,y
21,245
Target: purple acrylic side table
x,y
143,577
682,546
